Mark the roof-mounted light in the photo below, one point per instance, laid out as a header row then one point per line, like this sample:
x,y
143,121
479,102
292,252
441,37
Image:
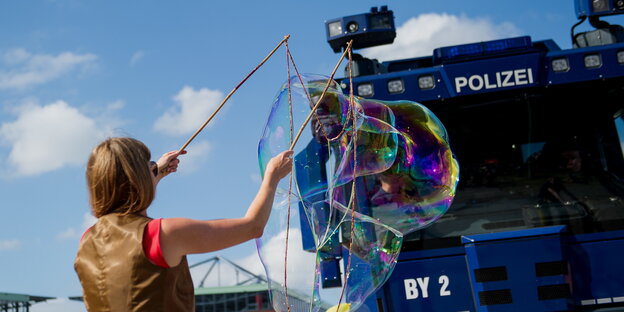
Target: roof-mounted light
x,y
334,28
588,8
395,86
600,6
366,30
560,65
592,61
353,27
426,82
365,89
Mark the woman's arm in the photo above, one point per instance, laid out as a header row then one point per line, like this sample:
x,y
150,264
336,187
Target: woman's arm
x,y
181,236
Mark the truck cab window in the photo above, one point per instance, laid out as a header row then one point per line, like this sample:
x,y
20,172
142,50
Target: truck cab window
x,y
531,162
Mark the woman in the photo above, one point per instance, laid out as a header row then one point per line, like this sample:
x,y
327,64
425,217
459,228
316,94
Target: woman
x,y
130,262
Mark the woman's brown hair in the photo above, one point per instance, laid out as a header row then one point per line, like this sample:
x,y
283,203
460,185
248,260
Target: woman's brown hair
x,y
118,177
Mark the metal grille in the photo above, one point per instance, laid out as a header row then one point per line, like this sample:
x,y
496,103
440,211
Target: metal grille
x,y
551,268
493,297
550,292
490,274
503,224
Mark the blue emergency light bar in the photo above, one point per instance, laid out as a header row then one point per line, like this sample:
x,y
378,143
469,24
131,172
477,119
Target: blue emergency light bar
x,y
487,48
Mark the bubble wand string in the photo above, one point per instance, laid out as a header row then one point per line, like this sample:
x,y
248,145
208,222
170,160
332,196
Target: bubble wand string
x,y
352,201
290,176
232,92
331,77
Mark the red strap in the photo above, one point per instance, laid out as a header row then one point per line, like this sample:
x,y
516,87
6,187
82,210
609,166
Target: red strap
x,y
151,243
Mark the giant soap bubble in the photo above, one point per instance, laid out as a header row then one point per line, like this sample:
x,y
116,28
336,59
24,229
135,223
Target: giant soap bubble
x,y
364,175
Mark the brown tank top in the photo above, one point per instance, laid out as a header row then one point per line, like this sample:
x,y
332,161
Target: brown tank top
x,y
117,276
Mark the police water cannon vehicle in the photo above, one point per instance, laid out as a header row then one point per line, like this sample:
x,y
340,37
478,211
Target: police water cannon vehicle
x,y
537,223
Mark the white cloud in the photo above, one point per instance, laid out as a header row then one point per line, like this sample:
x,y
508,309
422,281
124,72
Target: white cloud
x,y
136,57
9,244
301,264
58,305
421,34
71,233
117,105
191,110
25,69
49,137
15,56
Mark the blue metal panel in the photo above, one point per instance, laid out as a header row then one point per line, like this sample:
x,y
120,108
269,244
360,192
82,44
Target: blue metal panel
x,y
596,236
513,234
518,254
309,182
439,284
482,76
330,273
530,69
594,270
431,253
578,72
410,80
597,271
504,73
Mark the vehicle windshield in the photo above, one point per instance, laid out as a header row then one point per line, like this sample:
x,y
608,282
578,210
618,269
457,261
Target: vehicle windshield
x,y
553,158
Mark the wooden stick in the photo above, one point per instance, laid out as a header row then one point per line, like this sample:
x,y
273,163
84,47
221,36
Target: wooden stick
x,y
232,92
305,123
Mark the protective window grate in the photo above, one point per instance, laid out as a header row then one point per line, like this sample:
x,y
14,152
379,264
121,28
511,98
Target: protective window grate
x,y
550,292
551,268
503,224
493,297
490,274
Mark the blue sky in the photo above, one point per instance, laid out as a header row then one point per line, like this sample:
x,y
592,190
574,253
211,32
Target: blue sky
x,y
73,72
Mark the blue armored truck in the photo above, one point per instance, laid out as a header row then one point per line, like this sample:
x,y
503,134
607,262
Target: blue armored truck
x,y
537,223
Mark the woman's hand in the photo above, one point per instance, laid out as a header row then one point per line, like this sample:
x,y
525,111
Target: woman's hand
x,y
168,163
279,166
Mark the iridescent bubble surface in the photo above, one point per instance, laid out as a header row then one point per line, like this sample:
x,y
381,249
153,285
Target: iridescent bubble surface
x,y
405,177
